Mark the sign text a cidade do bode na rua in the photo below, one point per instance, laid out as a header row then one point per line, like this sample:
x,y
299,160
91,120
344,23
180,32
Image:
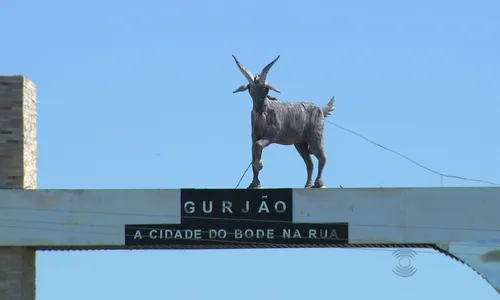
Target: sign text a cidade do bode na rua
x,y
236,216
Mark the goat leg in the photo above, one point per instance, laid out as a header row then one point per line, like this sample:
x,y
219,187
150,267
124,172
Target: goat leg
x,y
255,184
317,149
303,149
257,164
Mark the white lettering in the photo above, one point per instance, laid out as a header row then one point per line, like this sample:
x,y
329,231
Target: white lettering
x,y
251,233
248,233
188,234
175,234
288,234
323,234
279,209
263,206
260,233
247,207
242,233
189,207
222,234
226,205
333,234
205,209
219,234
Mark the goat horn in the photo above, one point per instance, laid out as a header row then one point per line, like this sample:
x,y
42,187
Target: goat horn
x,y
263,74
272,88
241,89
244,71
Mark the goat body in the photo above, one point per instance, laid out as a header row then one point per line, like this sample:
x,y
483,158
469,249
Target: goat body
x,y
289,123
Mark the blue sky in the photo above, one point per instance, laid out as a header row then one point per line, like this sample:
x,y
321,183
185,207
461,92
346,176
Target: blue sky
x,y
139,95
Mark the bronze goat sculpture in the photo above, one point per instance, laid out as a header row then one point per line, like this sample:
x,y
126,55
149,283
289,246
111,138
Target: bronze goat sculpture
x,y
286,123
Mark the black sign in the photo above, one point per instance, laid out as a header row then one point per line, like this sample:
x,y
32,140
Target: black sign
x,y
218,217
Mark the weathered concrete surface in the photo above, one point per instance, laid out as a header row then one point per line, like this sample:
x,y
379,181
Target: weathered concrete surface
x,y
18,159
17,273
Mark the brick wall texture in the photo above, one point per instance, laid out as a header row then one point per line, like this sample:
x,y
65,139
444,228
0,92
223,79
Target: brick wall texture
x,y
18,159
17,273
18,154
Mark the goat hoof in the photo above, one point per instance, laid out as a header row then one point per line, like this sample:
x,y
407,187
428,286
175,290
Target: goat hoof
x,y
254,186
318,186
307,186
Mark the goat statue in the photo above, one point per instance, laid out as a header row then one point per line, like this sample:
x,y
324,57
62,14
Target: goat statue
x,y
286,123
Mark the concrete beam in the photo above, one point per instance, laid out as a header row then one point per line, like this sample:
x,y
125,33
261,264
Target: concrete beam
x,y
62,218
462,221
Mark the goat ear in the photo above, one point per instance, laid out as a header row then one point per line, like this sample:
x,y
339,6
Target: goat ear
x,y
241,89
271,98
272,88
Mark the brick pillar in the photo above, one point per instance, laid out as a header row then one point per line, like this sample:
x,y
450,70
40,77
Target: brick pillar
x,y
17,171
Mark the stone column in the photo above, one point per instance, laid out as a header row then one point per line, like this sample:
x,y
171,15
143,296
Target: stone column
x,y
17,171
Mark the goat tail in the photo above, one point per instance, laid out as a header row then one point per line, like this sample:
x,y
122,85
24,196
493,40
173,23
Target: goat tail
x,y
329,108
